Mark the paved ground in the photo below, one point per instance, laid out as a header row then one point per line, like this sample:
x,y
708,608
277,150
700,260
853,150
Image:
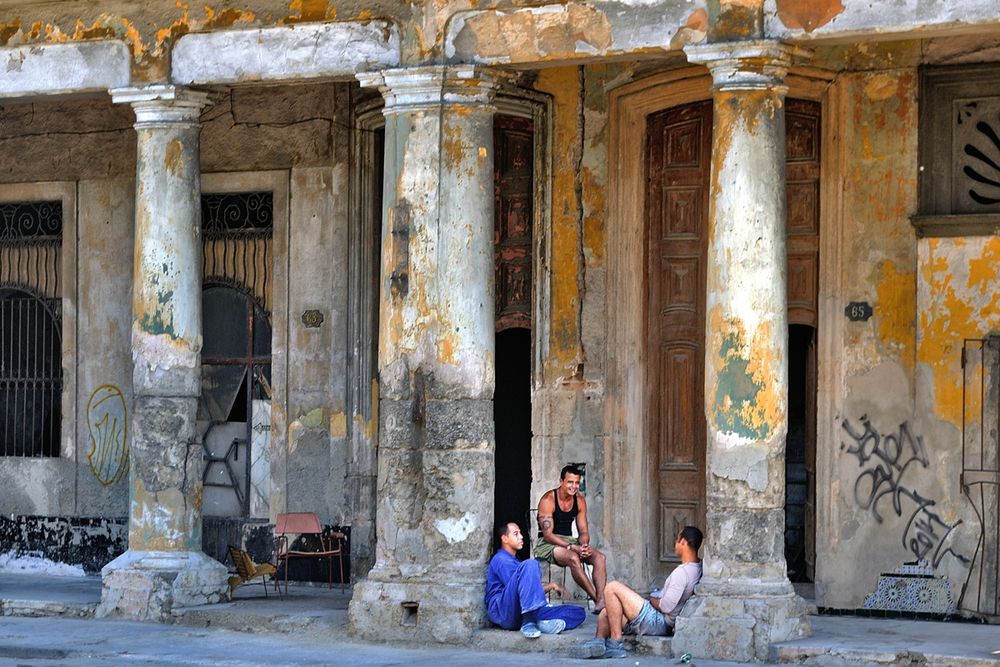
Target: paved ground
x,y
38,628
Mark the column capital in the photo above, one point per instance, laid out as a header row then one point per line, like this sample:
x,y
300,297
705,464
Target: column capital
x,y
161,104
423,88
747,65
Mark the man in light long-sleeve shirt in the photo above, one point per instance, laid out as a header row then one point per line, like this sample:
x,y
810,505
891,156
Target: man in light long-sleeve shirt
x,y
627,612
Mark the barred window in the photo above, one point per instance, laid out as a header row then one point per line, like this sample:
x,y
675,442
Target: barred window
x,y
30,328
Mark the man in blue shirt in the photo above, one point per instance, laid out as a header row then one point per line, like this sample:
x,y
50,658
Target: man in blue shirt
x,y
515,595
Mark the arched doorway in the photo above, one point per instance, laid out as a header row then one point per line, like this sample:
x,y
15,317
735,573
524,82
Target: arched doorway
x,y
235,405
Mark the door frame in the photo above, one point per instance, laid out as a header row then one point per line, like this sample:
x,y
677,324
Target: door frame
x,y
630,476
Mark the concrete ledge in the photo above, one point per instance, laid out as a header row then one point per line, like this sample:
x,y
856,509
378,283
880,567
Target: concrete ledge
x,y
63,69
296,52
836,657
500,641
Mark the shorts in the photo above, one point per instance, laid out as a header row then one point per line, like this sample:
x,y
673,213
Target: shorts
x,y
544,550
649,622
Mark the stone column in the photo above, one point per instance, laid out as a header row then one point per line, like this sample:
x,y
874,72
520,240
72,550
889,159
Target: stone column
x,y
164,566
436,347
745,601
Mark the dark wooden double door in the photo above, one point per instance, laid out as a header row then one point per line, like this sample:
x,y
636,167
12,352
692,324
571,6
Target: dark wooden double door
x,y
678,157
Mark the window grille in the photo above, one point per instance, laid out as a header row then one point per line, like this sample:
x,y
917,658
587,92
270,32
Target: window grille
x,y
30,328
237,231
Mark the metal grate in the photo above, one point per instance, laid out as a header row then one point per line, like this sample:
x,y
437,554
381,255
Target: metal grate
x,y
237,230
30,246
30,375
981,470
30,328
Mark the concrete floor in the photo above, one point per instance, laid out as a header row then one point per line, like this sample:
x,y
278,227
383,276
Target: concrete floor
x,y
44,623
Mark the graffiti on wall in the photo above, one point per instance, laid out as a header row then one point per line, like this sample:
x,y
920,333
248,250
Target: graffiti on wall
x,y
106,424
883,487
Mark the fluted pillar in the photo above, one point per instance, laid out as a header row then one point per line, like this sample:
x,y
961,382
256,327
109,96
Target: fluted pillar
x,y
164,565
745,601
436,349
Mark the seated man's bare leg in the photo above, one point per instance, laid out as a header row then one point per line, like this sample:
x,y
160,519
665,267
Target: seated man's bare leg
x,y
603,625
622,605
570,559
600,574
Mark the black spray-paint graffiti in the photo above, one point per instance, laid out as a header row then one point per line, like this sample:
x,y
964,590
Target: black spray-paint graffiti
x,y
885,460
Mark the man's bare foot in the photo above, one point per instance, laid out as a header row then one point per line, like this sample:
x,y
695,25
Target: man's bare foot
x,y
598,606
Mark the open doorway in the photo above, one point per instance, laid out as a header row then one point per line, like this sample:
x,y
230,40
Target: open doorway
x,y
800,455
512,416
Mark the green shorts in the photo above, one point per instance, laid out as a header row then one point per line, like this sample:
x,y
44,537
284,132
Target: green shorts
x,y
544,550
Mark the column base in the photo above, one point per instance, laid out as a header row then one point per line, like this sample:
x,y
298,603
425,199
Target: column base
x,y
149,585
416,611
740,628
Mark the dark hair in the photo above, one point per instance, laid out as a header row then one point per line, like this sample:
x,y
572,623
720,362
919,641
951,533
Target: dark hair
x,y
502,528
692,536
571,469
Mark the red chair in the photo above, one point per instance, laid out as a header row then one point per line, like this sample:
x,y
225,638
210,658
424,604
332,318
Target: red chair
x,y
307,525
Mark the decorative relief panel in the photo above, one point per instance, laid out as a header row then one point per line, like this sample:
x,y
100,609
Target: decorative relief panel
x,y
682,143
674,515
683,210
959,151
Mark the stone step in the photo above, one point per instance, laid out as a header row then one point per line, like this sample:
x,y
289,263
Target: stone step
x,y
9,607
231,616
503,641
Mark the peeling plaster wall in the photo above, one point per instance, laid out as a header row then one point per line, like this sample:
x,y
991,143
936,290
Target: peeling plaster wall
x,y
317,423
566,405
889,461
887,369
105,325
297,130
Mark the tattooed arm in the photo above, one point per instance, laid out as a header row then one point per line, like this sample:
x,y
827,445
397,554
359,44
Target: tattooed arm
x,y
546,508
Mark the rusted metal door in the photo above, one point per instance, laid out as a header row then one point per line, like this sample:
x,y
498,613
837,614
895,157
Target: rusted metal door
x,y
678,155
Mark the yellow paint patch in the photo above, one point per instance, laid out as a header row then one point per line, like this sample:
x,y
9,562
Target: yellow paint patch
x,y
8,30
174,160
896,311
595,200
983,269
338,425
956,310
565,348
881,86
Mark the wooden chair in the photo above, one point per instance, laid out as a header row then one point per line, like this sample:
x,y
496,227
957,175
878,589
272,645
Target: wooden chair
x,y
247,570
306,524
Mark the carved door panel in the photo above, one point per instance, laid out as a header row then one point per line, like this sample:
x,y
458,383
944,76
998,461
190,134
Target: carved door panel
x,y
802,132
513,199
678,155
679,149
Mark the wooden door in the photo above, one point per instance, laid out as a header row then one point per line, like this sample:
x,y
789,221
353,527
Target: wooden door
x,y
802,123
678,158
513,142
679,150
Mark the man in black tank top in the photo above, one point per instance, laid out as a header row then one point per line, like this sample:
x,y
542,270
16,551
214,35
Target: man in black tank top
x,y
557,510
